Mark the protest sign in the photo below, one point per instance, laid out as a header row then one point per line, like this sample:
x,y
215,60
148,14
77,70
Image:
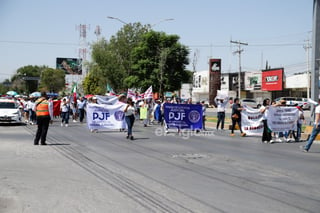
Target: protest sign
x,y
251,121
143,113
281,119
103,116
183,116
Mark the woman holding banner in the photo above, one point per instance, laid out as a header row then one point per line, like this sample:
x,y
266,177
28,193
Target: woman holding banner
x,y
266,135
236,117
129,112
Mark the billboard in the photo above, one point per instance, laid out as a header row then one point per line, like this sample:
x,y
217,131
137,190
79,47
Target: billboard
x,y
252,81
272,80
71,66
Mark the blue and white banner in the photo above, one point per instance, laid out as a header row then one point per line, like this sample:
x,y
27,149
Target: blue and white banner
x,y
102,116
183,116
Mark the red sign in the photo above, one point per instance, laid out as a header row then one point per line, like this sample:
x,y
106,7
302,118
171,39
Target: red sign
x,y
272,80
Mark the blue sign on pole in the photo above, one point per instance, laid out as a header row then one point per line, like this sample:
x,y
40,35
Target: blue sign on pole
x,y
183,116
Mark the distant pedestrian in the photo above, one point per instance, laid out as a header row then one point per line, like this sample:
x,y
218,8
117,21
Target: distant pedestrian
x,y
315,130
129,112
81,103
204,109
221,110
301,120
236,116
65,109
44,113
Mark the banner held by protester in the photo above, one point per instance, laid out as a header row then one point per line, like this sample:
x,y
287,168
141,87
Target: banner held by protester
x,y
251,121
183,116
281,119
102,116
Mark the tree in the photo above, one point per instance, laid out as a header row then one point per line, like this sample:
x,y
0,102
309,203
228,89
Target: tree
x,y
114,58
93,83
52,80
21,81
159,60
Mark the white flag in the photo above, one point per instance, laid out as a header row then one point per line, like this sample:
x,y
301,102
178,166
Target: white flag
x,y
131,94
148,93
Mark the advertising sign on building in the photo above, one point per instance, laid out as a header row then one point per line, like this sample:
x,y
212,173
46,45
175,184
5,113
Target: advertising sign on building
x,y
297,81
252,81
272,80
71,66
214,78
224,82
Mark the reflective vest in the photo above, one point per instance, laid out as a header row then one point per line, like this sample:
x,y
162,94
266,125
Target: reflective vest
x,y
42,108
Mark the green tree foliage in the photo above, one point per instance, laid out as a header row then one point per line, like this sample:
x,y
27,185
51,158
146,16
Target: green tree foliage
x,y
160,61
137,57
52,80
93,83
20,81
115,57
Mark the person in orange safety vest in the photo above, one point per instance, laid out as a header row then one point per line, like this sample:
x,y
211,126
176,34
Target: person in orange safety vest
x,y
44,113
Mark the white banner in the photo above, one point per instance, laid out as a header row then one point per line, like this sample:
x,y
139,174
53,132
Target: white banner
x,y
110,100
102,116
251,121
281,119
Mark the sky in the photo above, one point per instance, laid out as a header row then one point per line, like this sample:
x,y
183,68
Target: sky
x,y
36,32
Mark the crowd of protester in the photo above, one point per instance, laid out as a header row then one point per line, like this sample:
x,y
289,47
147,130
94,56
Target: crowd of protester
x,y
151,112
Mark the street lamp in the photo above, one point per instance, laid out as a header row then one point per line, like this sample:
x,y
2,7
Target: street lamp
x,y
115,18
167,19
152,25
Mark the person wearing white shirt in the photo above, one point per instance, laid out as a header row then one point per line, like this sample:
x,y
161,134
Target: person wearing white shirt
x,y
221,110
266,135
315,130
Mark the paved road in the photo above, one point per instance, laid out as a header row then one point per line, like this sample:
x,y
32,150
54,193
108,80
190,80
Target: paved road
x,y
81,171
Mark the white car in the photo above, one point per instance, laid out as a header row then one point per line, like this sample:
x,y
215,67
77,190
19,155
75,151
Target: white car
x,y
249,102
9,111
303,102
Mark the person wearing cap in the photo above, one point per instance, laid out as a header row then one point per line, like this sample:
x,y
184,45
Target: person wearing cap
x,y
44,113
315,129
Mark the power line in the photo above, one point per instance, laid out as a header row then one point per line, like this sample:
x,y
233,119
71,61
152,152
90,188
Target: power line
x,y
39,43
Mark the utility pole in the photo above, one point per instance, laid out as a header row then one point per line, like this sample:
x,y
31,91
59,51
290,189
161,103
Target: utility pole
x,y
315,65
239,51
308,46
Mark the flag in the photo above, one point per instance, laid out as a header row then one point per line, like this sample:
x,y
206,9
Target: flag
x,y
131,94
110,90
148,93
74,91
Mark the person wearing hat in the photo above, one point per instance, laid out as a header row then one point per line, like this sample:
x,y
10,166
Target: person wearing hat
x,y
44,113
315,129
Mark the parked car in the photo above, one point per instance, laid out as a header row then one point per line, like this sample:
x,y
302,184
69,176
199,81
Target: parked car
x,y
290,101
249,102
303,102
9,111
293,101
